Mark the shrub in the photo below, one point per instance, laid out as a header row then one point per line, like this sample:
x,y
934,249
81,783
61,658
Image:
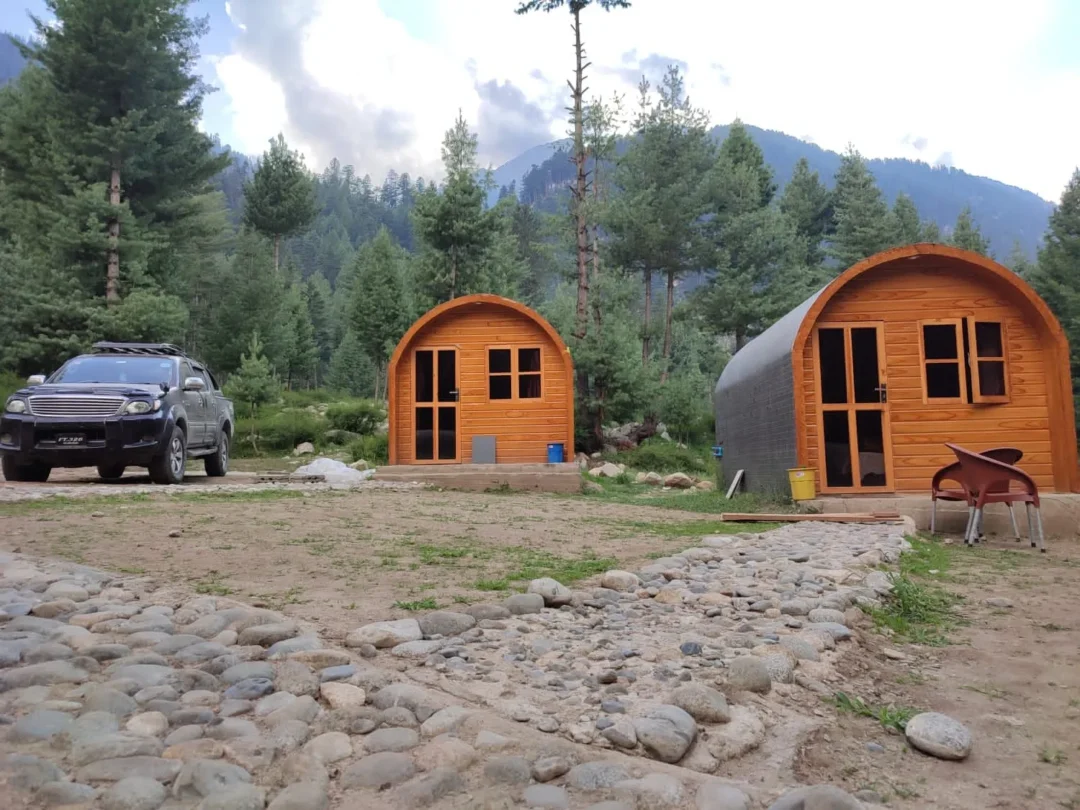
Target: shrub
x,y
373,448
361,416
658,455
9,384
287,429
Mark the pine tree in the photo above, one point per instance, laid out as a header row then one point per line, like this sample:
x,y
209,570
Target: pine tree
x,y
280,199
1019,262
906,215
655,220
318,295
742,150
300,363
808,205
966,234
1055,275
379,314
930,232
454,230
580,189
863,225
254,384
351,370
99,137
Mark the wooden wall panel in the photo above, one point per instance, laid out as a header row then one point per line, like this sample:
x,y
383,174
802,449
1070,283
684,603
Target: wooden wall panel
x,y
900,298
522,428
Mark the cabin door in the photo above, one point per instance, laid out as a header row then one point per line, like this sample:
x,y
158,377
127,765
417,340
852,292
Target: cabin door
x,y
853,408
436,406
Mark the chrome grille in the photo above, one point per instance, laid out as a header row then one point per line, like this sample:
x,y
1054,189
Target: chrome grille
x,y
92,406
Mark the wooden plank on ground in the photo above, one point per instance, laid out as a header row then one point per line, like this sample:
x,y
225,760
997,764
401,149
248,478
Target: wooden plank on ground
x,y
838,517
288,478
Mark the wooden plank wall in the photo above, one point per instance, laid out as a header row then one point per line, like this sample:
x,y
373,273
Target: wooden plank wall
x,y
522,428
938,288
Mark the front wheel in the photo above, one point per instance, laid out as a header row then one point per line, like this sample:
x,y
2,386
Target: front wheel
x,y
217,464
110,472
25,473
168,468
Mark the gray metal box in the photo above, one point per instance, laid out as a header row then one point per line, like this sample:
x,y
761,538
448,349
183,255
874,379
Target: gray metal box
x,y
483,450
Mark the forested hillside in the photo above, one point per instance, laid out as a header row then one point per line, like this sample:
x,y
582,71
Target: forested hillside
x,y
121,219
1007,215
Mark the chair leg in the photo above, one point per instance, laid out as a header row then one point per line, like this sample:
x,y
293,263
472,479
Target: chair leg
x,y
967,529
933,515
1042,537
1012,516
976,524
979,525
1031,524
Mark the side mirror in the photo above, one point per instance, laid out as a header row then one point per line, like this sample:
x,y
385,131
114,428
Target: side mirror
x,y
35,379
194,384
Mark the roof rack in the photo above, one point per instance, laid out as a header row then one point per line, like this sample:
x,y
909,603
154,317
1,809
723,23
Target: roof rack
x,y
159,349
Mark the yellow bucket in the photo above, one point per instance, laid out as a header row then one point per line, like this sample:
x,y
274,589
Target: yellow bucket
x,y
802,483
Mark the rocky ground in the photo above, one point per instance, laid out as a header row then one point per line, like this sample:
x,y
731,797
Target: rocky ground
x,y
682,685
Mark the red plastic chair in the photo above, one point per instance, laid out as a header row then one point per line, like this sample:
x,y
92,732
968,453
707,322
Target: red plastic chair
x,y
989,481
952,472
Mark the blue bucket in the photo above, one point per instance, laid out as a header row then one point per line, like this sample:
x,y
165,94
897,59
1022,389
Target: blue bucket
x,y
556,453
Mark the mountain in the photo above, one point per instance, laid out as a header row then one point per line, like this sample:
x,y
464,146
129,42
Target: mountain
x,y
1006,214
11,61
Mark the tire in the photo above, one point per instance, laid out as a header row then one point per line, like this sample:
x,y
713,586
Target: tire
x,y
168,468
217,464
110,472
28,473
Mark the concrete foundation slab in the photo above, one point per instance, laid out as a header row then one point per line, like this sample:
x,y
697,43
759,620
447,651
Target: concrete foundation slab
x,y
1060,512
479,477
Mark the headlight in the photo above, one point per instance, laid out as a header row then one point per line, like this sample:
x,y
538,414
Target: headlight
x,y
15,406
142,406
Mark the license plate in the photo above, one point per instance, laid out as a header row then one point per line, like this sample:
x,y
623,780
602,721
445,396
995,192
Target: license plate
x,y
69,439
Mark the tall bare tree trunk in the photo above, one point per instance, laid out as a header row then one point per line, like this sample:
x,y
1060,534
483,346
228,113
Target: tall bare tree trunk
x,y
581,317
645,339
277,251
595,282
112,272
668,306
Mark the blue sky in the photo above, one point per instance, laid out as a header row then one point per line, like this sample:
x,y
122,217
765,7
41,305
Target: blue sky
x,y
985,85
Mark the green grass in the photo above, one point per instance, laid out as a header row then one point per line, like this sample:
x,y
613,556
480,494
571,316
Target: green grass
x,y
918,611
427,603
690,528
1052,756
890,716
99,502
211,584
691,500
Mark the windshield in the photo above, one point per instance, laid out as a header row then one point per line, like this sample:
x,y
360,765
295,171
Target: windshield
x,y
136,370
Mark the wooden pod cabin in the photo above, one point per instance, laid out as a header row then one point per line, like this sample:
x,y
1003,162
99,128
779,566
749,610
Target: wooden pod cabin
x,y
867,379
483,372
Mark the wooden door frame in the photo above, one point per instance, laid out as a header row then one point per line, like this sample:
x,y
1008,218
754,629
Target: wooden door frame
x,y
851,407
435,404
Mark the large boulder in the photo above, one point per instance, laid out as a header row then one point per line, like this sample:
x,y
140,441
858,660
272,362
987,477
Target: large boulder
x,y
678,480
554,593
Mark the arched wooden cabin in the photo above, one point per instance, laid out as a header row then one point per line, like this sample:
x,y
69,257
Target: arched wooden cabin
x,y
867,379
485,368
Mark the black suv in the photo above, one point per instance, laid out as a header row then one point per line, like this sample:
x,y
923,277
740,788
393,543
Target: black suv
x,y
123,405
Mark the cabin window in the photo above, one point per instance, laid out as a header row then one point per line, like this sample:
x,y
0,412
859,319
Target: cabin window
x,y
988,374
963,361
515,373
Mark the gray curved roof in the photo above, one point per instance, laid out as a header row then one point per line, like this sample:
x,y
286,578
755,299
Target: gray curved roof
x,y
760,353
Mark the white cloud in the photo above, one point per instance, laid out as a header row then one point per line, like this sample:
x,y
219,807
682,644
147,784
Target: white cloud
x,y
915,79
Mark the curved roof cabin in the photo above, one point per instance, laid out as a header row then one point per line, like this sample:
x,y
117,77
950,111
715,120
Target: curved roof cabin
x,y
480,378
868,378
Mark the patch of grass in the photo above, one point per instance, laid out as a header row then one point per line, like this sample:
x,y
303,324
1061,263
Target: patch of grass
x,y
534,564
239,495
992,692
890,716
689,528
318,546
690,500
134,569
427,603
1053,628
211,584
492,585
918,612
1052,756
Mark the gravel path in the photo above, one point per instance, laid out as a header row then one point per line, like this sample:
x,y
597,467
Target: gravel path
x,y
120,694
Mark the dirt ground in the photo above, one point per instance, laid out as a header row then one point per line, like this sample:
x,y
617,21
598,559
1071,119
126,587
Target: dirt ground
x,y
343,559
1011,675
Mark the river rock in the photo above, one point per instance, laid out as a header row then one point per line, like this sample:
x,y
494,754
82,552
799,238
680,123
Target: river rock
x,y
703,703
666,732
446,623
817,797
385,634
939,735
134,793
748,674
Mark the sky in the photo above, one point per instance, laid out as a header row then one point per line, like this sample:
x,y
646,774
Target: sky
x,y
987,86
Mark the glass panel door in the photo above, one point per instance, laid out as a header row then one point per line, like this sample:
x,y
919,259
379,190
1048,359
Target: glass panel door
x,y
436,405
855,455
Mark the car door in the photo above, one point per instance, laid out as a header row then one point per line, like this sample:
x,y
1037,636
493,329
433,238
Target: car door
x,y
210,408
195,406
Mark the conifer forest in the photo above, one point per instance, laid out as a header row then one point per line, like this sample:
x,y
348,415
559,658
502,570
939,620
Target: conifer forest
x,y
655,248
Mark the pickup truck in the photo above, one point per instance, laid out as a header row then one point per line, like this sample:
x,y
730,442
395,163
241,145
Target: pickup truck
x,y
123,405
